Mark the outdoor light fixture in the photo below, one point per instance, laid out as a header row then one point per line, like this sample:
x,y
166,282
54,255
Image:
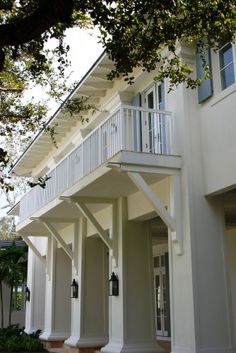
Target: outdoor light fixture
x,y
113,285
27,294
74,289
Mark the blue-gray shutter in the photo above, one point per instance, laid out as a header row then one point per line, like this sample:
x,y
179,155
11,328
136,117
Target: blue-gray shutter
x,y
136,101
205,90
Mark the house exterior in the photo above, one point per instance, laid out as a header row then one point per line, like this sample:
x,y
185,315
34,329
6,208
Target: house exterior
x,y
142,190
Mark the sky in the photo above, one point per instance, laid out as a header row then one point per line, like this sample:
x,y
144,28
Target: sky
x,y
84,50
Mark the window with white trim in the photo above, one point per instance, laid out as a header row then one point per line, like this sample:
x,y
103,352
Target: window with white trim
x,y
227,62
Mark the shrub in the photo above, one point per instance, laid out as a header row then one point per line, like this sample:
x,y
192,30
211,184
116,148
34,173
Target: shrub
x,y
14,339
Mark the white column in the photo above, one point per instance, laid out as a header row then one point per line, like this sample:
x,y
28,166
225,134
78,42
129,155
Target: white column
x,y
34,309
57,301
131,317
89,311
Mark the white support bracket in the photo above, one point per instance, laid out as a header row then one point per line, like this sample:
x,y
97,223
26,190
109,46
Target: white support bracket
x,y
174,223
33,248
103,233
80,203
55,235
153,199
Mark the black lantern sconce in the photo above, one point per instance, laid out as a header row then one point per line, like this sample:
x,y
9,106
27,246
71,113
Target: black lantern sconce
x,y
27,294
113,285
74,289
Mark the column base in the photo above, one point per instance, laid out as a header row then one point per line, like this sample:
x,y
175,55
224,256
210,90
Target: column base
x,y
132,348
53,340
86,342
29,331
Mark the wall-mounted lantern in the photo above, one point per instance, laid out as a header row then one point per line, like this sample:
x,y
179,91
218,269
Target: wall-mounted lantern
x,y
113,285
27,294
74,289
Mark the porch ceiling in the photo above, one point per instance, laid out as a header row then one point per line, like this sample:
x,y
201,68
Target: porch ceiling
x,y
110,185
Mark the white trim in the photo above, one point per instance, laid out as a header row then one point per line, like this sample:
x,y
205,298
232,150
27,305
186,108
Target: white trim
x,y
103,233
56,236
33,248
154,200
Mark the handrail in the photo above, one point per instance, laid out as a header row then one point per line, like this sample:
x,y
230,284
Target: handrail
x,y
148,110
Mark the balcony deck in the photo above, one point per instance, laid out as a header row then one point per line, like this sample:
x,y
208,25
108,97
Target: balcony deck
x,y
129,128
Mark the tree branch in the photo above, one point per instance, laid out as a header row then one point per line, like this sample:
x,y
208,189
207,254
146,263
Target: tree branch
x,y
10,89
47,15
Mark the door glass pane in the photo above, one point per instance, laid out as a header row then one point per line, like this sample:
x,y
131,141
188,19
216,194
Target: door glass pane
x,y
162,260
161,285
158,303
151,132
150,100
160,97
156,261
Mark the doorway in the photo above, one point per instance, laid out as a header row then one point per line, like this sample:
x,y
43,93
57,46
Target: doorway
x,y
161,293
161,284
154,125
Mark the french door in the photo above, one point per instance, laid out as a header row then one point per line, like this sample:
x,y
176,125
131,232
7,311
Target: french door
x,y
161,288
154,140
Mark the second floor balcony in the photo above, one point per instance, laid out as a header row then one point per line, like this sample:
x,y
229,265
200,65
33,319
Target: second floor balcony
x,y
128,128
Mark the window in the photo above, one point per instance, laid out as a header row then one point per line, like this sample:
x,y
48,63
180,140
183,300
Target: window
x,y
226,57
18,297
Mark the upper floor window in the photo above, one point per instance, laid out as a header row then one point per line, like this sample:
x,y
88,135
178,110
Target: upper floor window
x,y
227,59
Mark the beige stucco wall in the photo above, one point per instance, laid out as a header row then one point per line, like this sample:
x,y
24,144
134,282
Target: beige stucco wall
x,y
218,126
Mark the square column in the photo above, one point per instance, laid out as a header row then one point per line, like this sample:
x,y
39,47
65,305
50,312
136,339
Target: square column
x,y
57,301
131,316
89,327
34,308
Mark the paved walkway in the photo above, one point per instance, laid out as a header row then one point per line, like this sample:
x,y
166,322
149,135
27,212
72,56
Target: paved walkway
x,y
166,345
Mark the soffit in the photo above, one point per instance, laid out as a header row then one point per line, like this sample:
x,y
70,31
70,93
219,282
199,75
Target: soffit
x,y
94,86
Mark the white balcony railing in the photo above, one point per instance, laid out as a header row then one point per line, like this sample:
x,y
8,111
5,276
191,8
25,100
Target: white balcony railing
x,y
128,128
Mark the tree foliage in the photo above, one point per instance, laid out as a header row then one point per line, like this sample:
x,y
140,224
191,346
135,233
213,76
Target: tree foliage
x,y
13,270
7,228
134,34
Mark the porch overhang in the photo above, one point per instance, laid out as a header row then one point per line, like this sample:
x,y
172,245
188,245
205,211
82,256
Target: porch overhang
x,y
104,182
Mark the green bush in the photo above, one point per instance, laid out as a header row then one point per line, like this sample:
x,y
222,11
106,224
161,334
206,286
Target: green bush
x,y
14,339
